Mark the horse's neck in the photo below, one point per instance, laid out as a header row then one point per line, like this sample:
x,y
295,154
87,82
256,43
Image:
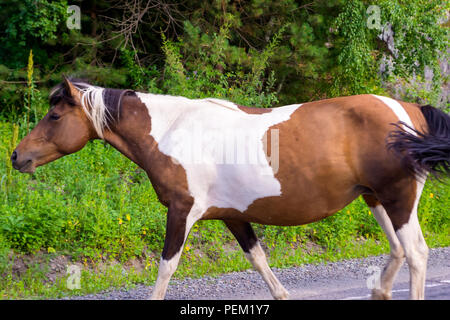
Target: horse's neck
x,y
132,134
119,141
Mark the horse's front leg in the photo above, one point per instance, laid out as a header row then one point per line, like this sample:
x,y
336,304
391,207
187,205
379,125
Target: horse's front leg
x,y
180,218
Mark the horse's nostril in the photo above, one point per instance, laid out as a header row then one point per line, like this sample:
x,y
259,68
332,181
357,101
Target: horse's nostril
x,y
14,156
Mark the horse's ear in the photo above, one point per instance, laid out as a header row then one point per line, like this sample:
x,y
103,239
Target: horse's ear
x,y
71,89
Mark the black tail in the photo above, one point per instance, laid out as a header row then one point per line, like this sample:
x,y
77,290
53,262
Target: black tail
x,y
425,152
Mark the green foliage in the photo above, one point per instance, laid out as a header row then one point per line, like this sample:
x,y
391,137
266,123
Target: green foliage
x,y
419,41
57,209
356,70
140,78
29,23
205,73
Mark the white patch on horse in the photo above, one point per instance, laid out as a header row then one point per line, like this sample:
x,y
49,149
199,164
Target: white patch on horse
x,y
220,147
258,259
399,111
416,249
165,272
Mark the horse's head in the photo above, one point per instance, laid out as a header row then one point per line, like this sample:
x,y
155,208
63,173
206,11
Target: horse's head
x,y
65,129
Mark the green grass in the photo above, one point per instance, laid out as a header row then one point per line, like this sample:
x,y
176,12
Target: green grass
x,y
99,210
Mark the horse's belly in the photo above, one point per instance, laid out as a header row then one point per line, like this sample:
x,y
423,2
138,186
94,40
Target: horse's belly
x,y
292,207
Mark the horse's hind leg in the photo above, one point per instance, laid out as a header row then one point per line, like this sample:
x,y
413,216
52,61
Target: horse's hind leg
x,y
397,255
249,243
401,204
413,242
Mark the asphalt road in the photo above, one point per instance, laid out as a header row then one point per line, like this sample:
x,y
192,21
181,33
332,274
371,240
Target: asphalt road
x,y
343,280
437,287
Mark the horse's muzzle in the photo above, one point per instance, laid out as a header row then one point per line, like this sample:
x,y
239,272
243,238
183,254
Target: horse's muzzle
x,y
25,165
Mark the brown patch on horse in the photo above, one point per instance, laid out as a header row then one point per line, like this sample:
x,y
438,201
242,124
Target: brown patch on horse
x,y
250,110
416,115
371,201
243,233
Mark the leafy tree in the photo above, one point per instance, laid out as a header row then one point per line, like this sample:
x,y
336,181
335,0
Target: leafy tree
x,y
419,41
273,52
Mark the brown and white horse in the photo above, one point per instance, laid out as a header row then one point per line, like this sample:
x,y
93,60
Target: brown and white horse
x,y
208,159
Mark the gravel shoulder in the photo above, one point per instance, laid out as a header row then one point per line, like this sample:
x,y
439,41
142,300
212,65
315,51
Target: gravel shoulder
x,y
338,280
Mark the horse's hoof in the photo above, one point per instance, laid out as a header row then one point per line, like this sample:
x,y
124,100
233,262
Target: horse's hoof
x,y
281,295
378,294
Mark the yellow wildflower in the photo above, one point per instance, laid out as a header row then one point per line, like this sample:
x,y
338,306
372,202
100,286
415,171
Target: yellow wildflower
x,y
120,221
128,217
431,196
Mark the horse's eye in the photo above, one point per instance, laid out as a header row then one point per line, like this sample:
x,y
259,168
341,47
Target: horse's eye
x,y
54,116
